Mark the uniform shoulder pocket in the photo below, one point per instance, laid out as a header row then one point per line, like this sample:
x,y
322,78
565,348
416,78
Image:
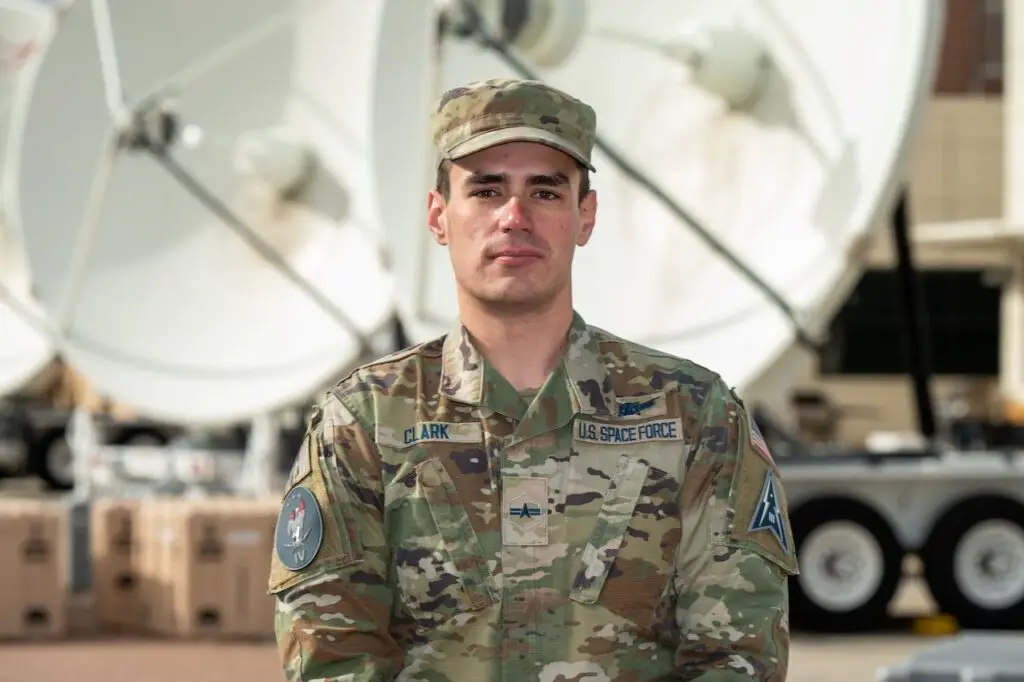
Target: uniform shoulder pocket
x,y
760,519
314,533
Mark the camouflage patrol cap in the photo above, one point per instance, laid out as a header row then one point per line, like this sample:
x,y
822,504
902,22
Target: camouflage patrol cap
x,y
492,112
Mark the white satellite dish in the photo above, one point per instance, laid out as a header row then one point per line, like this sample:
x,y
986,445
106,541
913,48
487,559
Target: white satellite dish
x,y
163,301
25,348
780,126
26,28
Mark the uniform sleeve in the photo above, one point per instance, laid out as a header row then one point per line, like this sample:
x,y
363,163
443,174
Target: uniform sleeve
x,y
737,553
329,567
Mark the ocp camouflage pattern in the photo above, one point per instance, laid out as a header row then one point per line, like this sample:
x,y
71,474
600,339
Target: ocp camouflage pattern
x,y
604,531
485,107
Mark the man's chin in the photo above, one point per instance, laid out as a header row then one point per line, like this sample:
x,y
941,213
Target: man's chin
x,y
516,299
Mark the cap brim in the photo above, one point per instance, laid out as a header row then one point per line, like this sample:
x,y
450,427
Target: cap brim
x,y
518,134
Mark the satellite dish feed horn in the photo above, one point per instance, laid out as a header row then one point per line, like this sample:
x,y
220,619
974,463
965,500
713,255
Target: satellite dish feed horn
x,y
278,158
771,155
161,307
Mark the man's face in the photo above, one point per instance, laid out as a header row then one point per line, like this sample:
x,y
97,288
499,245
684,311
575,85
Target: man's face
x,y
512,222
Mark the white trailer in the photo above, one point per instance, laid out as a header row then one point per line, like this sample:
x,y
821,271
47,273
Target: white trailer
x,y
856,516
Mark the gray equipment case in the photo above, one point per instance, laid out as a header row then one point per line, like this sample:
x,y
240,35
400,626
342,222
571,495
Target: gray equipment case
x,y
969,657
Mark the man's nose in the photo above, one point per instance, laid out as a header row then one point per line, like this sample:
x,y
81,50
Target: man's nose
x,y
513,216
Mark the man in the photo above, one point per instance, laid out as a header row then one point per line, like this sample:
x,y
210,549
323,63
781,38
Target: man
x,y
529,497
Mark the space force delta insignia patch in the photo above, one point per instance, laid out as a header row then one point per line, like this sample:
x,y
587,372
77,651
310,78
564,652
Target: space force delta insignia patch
x,y
768,513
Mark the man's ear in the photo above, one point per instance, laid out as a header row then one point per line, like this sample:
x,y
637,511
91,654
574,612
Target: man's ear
x,y
436,218
588,218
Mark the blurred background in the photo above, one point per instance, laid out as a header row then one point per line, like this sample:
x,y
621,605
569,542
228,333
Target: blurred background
x,y
212,211
957,169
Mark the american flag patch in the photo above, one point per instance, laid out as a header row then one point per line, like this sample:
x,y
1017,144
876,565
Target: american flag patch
x,y
758,442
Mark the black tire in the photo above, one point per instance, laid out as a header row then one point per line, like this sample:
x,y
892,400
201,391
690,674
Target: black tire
x,y
810,614
15,426
51,444
940,556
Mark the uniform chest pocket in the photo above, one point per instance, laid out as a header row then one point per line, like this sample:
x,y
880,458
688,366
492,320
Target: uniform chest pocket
x,y
627,563
440,566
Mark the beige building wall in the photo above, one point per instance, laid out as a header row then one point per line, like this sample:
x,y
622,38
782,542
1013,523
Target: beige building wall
x,y
955,173
956,168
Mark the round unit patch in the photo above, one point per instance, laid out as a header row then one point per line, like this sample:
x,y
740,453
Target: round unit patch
x,y
300,529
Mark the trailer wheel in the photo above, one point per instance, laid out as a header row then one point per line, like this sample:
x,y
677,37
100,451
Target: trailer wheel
x,y
850,566
974,563
15,427
52,460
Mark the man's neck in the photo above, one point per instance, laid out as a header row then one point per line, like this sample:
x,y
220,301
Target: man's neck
x,y
522,348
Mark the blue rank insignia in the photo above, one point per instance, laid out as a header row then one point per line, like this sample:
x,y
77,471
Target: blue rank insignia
x,y
768,513
300,529
525,511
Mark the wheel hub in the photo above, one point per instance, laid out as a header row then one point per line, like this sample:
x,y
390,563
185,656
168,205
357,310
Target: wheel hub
x,y
842,566
989,564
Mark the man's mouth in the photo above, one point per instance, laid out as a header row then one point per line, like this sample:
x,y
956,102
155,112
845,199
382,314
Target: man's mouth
x,y
516,256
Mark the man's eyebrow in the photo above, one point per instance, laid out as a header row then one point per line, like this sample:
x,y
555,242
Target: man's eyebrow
x,y
553,180
544,180
485,178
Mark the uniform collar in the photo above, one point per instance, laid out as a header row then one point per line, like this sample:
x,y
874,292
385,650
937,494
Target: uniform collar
x,y
586,371
579,384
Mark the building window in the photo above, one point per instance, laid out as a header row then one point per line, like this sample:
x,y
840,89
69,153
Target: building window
x,y
867,337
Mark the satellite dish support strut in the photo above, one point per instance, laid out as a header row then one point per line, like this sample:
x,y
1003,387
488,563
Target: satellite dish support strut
x,y
914,319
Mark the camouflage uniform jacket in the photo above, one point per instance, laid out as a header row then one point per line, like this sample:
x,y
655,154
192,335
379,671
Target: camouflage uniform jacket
x,y
628,524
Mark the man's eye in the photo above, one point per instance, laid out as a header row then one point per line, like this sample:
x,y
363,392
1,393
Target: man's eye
x,y
484,193
545,194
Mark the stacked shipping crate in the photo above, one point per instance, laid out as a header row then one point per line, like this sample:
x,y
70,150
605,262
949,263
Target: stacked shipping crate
x,y
33,556
161,567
